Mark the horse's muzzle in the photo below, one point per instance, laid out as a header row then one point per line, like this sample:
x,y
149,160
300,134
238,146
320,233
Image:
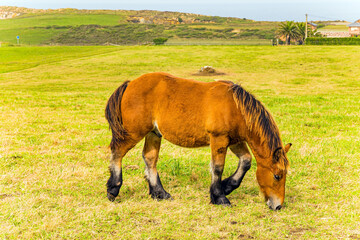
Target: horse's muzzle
x,y
273,204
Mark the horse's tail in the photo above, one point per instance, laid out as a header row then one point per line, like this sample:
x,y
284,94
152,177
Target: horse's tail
x,y
114,117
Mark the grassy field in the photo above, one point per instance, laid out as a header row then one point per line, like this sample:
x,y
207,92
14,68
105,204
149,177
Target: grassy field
x,y
343,28
54,145
35,29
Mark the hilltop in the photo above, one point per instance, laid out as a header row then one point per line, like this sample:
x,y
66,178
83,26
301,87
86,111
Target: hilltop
x,y
70,26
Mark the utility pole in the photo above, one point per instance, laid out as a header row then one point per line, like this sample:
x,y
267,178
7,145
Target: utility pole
x,y
306,26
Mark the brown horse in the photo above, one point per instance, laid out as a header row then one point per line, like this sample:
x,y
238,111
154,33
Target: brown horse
x,y
189,113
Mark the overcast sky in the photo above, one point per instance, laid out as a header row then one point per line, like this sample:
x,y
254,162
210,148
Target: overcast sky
x,y
272,10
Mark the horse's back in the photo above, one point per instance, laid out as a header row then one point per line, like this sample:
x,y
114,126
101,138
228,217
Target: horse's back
x,y
184,111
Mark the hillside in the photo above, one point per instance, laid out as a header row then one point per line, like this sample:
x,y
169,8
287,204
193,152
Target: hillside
x,y
101,27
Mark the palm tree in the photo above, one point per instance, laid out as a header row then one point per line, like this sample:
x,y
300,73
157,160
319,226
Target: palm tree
x,y
300,27
288,30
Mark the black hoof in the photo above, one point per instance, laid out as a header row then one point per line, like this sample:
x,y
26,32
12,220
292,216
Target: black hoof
x,y
111,197
113,192
161,195
222,200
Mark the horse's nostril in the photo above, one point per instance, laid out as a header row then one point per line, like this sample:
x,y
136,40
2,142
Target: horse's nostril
x,y
278,207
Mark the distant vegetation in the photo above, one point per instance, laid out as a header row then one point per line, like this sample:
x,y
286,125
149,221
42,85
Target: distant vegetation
x,y
125,27
102,27
145,33
333,41
290,31
160,41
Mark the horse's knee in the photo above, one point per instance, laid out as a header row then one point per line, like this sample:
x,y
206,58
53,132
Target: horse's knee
x,y
246,163
231,183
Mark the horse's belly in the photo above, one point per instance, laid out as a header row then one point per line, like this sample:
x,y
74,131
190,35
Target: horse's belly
x,y
185,136
187,141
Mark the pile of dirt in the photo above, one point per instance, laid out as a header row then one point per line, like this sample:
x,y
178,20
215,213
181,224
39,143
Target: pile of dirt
x,y
208,71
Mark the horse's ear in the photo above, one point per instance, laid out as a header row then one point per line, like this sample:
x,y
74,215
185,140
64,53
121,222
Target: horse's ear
x,y
277,155
287,147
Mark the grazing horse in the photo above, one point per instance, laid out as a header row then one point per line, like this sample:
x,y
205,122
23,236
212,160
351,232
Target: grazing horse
x,y
189,113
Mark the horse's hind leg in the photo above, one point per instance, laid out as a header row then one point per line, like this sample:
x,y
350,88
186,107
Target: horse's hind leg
x,y
242,152
115,181
150,156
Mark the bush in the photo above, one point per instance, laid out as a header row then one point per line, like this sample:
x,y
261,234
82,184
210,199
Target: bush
x,y
332,41
200,29
160,41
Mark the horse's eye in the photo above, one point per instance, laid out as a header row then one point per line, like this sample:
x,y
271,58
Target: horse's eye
x,y
277,177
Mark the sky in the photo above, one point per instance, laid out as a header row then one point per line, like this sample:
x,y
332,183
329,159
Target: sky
x,y
260,10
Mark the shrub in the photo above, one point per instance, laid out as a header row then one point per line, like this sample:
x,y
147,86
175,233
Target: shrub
x,y
227,30
159,41
332,41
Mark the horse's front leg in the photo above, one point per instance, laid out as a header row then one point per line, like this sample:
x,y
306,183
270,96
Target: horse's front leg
x,y
242,152
218,145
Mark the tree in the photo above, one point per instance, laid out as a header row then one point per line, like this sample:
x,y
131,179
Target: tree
x,y
300,27
288,30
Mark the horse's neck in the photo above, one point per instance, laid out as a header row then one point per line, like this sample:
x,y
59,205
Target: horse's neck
x,y
259,146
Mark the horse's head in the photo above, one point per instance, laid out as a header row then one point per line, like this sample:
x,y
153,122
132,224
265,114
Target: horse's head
x,y
272,176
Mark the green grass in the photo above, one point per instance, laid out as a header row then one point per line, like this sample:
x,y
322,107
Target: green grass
x,y
28,36
54,137
35,29
15,59
38,20
344,28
